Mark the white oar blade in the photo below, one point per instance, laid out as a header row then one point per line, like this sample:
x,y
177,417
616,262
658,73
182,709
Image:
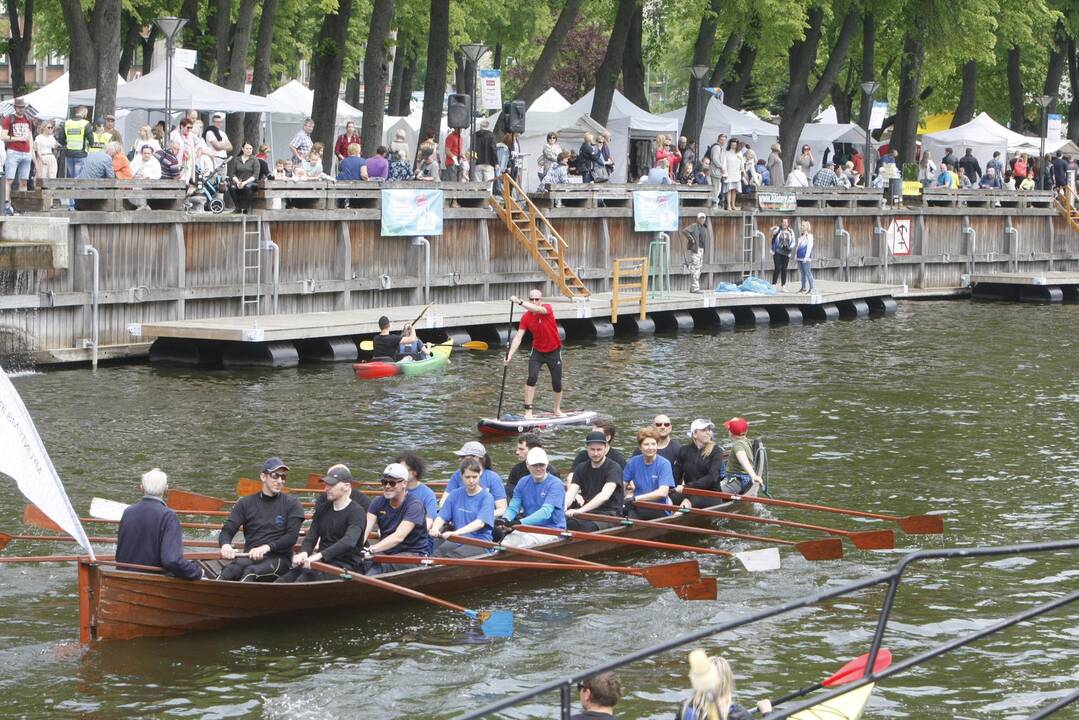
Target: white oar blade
x,y
103,509
759,560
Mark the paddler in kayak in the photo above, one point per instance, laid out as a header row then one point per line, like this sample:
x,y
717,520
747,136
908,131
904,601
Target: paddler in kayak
x,y
546,348
385,343
411,347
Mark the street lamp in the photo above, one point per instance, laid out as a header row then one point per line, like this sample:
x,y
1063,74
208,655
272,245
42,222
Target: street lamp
x,y
473,51
698,72
1043,130
870,89
171,26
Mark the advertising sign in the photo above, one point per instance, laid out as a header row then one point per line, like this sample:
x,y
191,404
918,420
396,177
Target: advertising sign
x,y
785,202
491,89
655,210
412,212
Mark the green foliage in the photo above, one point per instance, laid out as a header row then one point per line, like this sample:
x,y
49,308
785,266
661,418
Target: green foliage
x,y
910,171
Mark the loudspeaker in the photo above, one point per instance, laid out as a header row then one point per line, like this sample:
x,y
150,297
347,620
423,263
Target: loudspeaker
x,y
513,114
458,110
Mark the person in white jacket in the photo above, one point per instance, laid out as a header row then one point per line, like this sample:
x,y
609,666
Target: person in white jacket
x,y
733,166
797,177
145,166
803,253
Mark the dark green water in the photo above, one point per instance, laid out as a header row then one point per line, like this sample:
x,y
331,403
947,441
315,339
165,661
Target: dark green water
x,y
969,409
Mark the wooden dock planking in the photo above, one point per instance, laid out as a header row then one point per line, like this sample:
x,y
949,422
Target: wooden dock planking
x,y
1030,279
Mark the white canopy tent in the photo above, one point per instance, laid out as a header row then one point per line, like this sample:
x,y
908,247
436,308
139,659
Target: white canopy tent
x,y
188,91
570,126
1032,145
51,101
292,103
821,136
626,122
723,119
549,101
983,135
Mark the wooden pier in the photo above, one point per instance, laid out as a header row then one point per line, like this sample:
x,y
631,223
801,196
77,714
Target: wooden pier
x,y
1028,287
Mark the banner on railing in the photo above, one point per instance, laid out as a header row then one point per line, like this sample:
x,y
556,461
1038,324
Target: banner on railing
x,y
412,212
785,202
655,210
898,236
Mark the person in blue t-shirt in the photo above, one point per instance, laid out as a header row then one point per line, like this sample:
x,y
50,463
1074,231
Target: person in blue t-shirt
x,y
540,499
400,519
417,489
489,479
647,476
468,511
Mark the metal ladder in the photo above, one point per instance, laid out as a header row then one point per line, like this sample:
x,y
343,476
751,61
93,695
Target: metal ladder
x,y
749,237
251,265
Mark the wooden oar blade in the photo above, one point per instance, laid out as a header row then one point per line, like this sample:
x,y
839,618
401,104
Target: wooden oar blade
x,y
497,623
247,486
4,540
827,549
704,589
672,574
103,509
186,500
759,560
32,515
873,540
922,524
314,482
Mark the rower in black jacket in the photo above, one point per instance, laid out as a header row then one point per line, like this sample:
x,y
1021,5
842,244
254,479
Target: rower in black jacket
x,y
699,465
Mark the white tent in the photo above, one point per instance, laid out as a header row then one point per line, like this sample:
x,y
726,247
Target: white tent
x,y
820,136
626,122
292,104
723,119
188,91
50,101
550,101
1032,145
983,135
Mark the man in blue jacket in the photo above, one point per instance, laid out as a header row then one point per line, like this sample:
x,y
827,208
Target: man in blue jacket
x,y
539,499
150,532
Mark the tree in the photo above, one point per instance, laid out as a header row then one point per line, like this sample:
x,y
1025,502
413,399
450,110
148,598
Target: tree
x,y
327,67
19,44
539,78
94,50
869,59
964,110
633,62
696,104
374,75
233,42
260,74
438,47
608,72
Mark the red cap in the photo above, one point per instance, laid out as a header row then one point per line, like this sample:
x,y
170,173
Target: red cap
x,y
737,425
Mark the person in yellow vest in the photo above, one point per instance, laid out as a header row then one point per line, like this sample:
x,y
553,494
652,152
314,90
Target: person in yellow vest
x,y
100,137
74,138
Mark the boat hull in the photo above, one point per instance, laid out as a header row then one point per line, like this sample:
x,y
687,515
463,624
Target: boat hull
x,y
516,424
848,706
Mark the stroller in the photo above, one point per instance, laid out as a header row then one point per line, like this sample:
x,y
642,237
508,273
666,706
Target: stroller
x,y
206,192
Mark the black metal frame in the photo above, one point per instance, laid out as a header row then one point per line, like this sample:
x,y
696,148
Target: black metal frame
x,y
892,579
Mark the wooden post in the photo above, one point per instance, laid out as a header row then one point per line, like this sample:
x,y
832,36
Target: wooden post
x,y
86,619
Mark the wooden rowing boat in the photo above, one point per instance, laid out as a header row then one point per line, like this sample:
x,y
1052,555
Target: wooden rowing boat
x,y
119,605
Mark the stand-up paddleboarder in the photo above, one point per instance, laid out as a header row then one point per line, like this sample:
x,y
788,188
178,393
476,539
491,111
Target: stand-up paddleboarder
x,y
546,348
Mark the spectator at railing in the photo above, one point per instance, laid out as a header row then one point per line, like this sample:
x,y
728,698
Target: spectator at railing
x,y
281,170
700,176
927,169
263,156
120,165
1009,180
353,167
378,167
557,173
1060,170
689,157
455,160
427,168
301,144
169,160
797,177
990,181
946,178
776,175
1027,183
145,166
311,168
659,175
858,162
586,158
806,161
244,174
399,146
145,138
548,156
603,156
732,174
963,180
826,176
970,164
1019,167
398,167
995,163
751,179
762,171
485,153
949,158
45,145
847,176
98,165
343,142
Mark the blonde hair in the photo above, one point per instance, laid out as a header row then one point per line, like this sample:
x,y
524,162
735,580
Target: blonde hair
x,y
712,690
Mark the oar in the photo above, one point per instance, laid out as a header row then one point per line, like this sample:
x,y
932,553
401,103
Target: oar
x,y
505,368
103,509
752,560
106,560
32,515
187,500
368,345
5,538
247,486
658,576
868,540
854,670
910,524
493,623
314,482
827,549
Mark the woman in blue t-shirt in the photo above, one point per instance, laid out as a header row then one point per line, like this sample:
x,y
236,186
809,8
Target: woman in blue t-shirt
x,y
489,479
648,477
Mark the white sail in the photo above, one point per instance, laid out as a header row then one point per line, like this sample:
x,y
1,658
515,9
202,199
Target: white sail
x,y
23,457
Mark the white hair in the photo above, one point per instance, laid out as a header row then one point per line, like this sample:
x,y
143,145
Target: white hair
x,y
155,482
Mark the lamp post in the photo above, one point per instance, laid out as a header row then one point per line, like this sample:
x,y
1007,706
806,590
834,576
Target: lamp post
x,y
1043,129
698,72
870,89
171,26
473,51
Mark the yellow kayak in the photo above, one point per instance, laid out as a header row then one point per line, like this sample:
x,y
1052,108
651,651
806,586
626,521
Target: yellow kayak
x,y
848,706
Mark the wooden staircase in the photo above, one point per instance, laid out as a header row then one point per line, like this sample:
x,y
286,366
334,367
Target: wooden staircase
x,y
1068,207
532,230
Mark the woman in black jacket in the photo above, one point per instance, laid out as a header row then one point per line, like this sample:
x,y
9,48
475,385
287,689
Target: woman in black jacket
x,y
246,171
699,465
587,158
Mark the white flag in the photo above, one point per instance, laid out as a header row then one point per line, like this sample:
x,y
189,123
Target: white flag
x,y
23,457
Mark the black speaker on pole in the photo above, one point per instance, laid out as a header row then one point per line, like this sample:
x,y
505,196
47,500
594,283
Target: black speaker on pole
x,y
458,109
513,114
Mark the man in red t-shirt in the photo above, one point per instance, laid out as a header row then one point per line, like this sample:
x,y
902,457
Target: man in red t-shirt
x,y
546,348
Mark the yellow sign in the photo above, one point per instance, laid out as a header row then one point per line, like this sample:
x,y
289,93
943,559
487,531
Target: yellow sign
x,y
912,187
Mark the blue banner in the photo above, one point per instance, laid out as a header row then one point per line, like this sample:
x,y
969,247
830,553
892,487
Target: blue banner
x,y
655,210
412,212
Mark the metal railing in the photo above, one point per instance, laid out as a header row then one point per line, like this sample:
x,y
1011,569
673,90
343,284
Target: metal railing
x,y
892,579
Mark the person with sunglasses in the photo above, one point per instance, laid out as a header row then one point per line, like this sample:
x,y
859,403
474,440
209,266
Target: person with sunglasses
x,y
271,523
540,321
599,694
665,446
45,145
401,521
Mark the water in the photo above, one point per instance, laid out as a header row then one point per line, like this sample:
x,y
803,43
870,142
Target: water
x,y
970,409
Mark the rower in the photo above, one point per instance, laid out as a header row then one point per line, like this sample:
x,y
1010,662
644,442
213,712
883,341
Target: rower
x,y
338,528
540,498
401,522
358,495
416,468
410,346
489,479
699,465
524,443
150,533
596,484
741,475
647,476
546,348
271,523
386,345
608,429
469,511
667,447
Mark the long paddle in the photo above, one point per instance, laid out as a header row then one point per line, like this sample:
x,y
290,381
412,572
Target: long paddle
x,y
369,345
187,500
910,524
854,670
505,367
866,540
827,549
752,560
32,515
106,560
247,486
314,482
5,538
103,509
658,576
493,623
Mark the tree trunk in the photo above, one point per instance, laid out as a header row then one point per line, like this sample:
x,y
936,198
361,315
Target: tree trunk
x,y
696,103
910,82
434,87
633,63
1015,90
233,74
327,66
1073,82
964,111
82,54
19,44
352,88
496,59
723,63
869,61
220,21
843,103
540,77
801,59
460,73
397,77
404,107
260,75
743,70
147,44
1055,71
374,75
607,75
131,41
105,29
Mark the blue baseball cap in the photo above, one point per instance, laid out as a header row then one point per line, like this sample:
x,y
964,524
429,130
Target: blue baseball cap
x,y
274,463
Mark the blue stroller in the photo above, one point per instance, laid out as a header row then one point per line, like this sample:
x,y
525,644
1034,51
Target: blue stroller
x,y
206,192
